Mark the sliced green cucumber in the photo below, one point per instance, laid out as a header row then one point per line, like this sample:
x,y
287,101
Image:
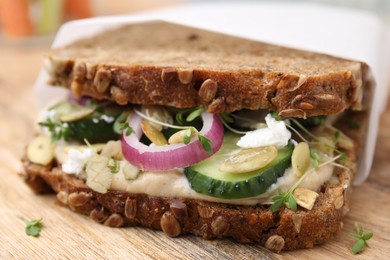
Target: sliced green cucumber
x,y
205,178
93,123
93,128
68,112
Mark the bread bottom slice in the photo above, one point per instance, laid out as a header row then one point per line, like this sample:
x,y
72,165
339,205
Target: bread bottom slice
x,y
282,230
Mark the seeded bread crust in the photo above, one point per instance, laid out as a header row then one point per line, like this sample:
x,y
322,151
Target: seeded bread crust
x,y
282,230
173,65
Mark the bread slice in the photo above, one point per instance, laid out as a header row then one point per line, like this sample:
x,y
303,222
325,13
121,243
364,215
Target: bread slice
x,y
282,230
173,65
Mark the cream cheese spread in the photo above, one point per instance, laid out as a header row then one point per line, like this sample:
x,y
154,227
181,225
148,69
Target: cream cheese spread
x,y
174,184
275,134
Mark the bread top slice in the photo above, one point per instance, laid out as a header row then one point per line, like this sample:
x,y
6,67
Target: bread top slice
x,y
174,65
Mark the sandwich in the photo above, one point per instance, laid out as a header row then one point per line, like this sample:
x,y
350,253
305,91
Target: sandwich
x,y
188,131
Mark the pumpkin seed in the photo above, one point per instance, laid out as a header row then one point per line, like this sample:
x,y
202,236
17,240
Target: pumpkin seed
x,y
300,159
305,197
67,112
40,150
178,137
157,112
113,149
249,159
154,135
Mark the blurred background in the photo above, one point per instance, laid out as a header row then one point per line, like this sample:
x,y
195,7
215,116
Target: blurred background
x,y
31,19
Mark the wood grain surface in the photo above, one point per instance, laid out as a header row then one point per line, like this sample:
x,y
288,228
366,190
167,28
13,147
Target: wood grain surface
x,y
67,235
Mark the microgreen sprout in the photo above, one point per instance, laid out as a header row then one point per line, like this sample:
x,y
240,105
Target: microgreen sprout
x,y
315,157
287,198
127,128
57,129
337,135
362,237
121,124
227,117
194,114
231,129
187,136
33,227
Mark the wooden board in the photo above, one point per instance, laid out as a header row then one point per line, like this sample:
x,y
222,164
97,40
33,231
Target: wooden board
x,y
72,236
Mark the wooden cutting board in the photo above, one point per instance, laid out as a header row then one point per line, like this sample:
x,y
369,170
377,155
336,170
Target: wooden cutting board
x,y
72,236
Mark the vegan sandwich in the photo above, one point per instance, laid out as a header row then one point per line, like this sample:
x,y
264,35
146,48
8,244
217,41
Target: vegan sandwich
x,y
194,132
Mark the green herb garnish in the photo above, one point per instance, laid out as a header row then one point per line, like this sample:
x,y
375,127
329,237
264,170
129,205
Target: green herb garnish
x,y
33,227
113,165
343,158
361,243
121,124
194,114
58,130
187,136
286,198
315,157
127,128
179,118
206,143
337,136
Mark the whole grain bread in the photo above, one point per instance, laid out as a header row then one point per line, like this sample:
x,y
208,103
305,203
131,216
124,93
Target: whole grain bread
x,y
173,65
282,230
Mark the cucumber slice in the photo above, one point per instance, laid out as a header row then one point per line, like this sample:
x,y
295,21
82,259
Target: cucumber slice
x,y
77,115
94,129
93,123
205,177
67,112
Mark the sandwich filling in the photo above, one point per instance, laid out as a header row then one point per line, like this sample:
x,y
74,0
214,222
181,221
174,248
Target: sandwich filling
x,y
244,158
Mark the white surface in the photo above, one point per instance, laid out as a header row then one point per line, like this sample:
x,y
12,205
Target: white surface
x,y
342,32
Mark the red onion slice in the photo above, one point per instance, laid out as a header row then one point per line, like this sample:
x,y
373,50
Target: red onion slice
x,y
167,157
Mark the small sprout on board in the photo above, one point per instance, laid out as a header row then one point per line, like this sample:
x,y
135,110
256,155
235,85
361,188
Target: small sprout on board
x,y
362,237
33,227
